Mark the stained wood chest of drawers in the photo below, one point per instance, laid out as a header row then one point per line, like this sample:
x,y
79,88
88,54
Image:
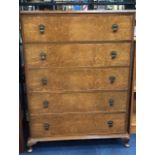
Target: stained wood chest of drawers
x,y
78,69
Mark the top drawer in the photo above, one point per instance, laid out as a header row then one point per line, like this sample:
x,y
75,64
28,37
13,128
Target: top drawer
x,y
76,27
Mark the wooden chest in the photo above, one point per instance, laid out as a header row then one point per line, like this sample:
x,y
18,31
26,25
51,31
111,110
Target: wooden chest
x,y
78,69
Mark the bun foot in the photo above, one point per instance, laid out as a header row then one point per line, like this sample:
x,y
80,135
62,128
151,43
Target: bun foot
x,y
30,143
29,150
126,143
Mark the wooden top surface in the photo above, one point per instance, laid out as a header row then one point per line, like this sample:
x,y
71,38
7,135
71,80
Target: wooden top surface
x,y
81,12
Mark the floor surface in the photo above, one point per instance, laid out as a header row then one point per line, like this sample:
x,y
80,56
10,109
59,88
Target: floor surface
x,y
85,147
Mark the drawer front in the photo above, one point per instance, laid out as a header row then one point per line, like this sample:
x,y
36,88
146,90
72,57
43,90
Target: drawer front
x,y
77,55
77,102
76,27
77,79
77,124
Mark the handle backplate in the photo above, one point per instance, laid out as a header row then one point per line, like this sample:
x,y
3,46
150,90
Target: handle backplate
x,y
46,126
44,81
110,124
111,102
41,28
113,54
115,27
112,79
45,104
43,56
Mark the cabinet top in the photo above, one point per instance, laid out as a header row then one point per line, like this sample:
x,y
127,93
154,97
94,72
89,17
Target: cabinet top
x,y
81,12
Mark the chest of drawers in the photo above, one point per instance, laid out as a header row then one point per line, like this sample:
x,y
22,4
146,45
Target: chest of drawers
x,y
78,69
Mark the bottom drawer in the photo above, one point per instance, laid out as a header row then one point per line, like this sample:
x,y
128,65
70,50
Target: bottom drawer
x,y
77,124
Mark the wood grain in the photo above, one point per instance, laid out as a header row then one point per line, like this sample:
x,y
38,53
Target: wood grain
x,y
77,68
74,124
77,102
80,136
77,55
77,79
76,27
133,96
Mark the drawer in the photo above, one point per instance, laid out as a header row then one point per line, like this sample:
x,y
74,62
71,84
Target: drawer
x,y
77,124
77,55
76,27
77,79
43,103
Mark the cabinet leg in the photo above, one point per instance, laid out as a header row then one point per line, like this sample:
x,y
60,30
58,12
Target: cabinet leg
x,y
30,143
126,142
29,149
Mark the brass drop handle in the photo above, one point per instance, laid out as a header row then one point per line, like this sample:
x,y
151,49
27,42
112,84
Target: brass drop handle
x,y
113,54
115,27
111,102
110,124
44,81
46,126
112,79
43,56
41,28
45,104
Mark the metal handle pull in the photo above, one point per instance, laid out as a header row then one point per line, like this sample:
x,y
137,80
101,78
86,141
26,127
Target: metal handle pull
x,y
44,81
43,56
111,102
45,104
41,28
115,27
110,124
46,126
112,79
113,54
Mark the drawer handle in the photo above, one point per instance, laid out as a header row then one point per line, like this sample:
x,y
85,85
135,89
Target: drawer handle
x,y
110,124
115,27
113,54
43,56
112,79
46,126
41,28
44,81
111,102
45,104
